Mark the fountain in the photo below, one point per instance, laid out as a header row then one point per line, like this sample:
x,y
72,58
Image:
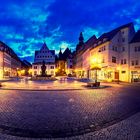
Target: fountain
x,y
43,75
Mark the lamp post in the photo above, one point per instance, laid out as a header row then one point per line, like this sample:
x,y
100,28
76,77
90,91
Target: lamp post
x,y
17,72
95,65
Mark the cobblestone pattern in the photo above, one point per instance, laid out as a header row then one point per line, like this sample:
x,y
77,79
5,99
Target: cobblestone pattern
x,y
66,112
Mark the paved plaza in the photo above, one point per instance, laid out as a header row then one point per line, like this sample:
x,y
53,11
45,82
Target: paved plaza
x,y
66,113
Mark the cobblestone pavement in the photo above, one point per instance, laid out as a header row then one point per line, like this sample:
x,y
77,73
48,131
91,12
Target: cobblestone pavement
x,y
69,113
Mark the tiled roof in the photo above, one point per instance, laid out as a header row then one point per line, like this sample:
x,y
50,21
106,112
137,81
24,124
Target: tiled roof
x,y
91,40
136,37
109,35
8,50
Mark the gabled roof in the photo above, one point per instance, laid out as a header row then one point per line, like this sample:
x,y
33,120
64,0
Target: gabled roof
x,y
65,55
136,37
91,41
44,46
8,50
27,63
109,35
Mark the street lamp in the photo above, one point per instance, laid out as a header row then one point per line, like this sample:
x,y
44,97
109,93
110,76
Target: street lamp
x,y
17,72
95,65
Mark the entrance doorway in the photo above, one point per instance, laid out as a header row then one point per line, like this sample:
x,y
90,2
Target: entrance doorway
x,y
116,75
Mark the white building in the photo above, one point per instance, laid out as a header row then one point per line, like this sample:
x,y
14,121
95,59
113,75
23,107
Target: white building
x,y
135,57
115,53
9,62
44,54
112,53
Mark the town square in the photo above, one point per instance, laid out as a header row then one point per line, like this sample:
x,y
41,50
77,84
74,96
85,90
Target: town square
x,y
69,70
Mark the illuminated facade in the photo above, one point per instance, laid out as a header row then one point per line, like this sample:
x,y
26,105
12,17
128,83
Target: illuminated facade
x,y
82,57
135,58
9,62
44,54
64,63
113,53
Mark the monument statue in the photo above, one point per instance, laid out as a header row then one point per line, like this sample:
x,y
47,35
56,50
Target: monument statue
x,y
43,69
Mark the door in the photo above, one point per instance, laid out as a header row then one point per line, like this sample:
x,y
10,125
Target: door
x,y
117,75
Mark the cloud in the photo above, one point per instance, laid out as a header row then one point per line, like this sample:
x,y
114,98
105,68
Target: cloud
x,y
25,24
88,32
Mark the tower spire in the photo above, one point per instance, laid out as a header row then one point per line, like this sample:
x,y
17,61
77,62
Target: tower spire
x,y
81,38
81,42
60,54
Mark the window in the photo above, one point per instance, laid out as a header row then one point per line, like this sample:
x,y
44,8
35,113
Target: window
x,y
52,67
123,39
123,72
123,49
35,67
132,63
105,39
116,49
122,32
113,48
113,59
124,61
102,49
135,49
137,62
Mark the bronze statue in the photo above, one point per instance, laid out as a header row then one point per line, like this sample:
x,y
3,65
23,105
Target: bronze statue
x,y
43,69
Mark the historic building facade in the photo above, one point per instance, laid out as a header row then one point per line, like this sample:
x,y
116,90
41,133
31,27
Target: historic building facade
x,y
114,55
9,62
64,63
82,56
135,57
44,54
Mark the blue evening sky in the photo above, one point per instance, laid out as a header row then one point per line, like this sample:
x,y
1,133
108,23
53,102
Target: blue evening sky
x,y
26,24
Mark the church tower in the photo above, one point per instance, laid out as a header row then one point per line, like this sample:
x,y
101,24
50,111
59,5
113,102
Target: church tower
x,y
60,54
81,42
